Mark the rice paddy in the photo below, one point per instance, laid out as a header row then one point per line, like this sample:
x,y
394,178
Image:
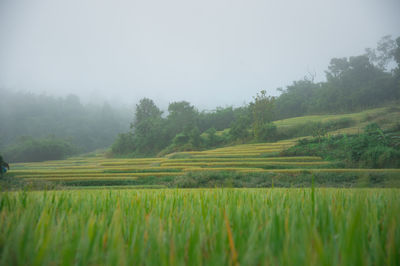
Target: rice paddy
x,y
201,227
99,218
246,158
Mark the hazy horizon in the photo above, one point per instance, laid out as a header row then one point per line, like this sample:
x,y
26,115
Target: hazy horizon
x,y
210,53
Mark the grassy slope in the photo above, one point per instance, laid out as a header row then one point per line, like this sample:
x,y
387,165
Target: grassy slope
x,y
385,117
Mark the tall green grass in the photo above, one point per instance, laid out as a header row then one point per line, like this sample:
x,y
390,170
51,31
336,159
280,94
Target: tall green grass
x,y
201,227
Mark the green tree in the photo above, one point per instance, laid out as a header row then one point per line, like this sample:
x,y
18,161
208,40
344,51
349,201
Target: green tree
x,y
262,110
181,116
195,137
298,99
145,110
212,138
383,54
148,128
220,118
240,128
396,56
396,53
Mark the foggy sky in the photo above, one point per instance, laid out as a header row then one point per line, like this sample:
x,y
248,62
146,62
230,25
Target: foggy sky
x,y
209,52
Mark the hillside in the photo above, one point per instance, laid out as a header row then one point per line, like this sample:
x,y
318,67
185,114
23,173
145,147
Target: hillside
x,y
351,123
385,117
257,164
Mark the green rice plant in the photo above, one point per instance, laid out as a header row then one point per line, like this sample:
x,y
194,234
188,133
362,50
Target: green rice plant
x,y
223,169
270,159
94,175
144,170
82,178
201,227
249,164
329,170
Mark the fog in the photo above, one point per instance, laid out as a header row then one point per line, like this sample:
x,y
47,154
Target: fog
x,y
210,52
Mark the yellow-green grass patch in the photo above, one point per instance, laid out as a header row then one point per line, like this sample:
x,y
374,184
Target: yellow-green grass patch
x,y
255,164
324,170
325,118
98,175
266,159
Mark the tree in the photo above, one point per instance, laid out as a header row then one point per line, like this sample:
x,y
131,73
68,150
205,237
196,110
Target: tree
x,y
148,128
337,67
298,99
262,110
145,111
396,53
124,144
182,116
396,56
383,54
220,118
212,138
195,137
240,128
354,83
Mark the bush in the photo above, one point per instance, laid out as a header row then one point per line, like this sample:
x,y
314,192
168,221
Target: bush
x,y
239,129
371,149
268,132
123,145
305,179
380,157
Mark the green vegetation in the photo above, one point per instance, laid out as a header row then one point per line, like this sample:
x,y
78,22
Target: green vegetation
x,y
352,84
35,150
246,165
373,148
40,118
355,83
201,227
4,166
92,209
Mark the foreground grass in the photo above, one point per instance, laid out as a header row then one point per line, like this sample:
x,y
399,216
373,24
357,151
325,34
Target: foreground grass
x,y
201,227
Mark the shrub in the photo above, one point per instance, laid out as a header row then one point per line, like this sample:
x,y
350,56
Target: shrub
x,y
267,132
380,157
124,144
371,149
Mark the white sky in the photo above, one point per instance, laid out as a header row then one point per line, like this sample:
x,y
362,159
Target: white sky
x,y
208,52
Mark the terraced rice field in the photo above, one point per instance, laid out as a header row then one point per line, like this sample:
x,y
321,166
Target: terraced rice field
x,y
248,158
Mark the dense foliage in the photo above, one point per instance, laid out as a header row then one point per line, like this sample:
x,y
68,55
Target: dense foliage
x,y
184,128
373,148
352,84
28,149
88,127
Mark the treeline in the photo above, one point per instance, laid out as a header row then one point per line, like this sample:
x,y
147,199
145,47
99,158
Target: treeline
x,y
40,127
184,128
352,84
